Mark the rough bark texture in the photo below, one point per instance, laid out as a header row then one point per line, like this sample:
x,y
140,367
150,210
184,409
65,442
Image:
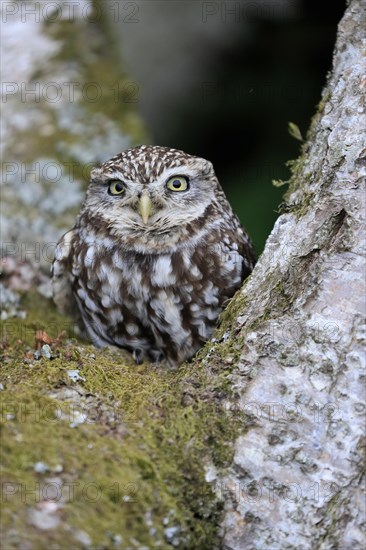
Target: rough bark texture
x,y
295,481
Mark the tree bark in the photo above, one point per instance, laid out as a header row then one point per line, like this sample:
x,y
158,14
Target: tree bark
x,y
296,341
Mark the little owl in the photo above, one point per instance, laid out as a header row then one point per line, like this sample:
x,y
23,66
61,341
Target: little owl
x,y
154,256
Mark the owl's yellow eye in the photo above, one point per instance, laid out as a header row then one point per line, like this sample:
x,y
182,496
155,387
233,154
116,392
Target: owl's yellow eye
x,y
116,188
177,183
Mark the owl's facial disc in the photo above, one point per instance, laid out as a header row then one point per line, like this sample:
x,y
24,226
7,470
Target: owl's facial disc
x,y
145,206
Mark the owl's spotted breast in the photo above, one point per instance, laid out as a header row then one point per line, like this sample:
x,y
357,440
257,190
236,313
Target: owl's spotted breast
x,y
154,286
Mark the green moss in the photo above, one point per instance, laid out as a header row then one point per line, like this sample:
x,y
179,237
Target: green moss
x,y
106,475
320,108
141,450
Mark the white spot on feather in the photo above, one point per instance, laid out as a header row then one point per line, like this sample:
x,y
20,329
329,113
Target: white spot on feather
x,y
81,293
196,272
132,329
63,248
106,301
90,304
118,260
210,295
186,256
115,315
90,255
162,275
165,309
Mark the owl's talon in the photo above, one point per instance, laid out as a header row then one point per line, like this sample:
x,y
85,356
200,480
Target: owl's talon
x,y
137,355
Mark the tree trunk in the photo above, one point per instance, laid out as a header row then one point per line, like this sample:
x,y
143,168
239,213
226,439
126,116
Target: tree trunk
x,y
295,337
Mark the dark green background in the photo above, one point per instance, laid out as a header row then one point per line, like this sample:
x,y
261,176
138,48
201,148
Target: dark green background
x,y
240,122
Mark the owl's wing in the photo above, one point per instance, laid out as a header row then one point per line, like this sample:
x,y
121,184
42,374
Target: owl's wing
x,y
246,251
237,259
62,277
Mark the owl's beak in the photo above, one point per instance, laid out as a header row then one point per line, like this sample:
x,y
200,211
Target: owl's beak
x,y
145,207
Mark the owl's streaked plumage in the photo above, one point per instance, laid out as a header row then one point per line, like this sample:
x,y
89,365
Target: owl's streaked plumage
x,y
154,256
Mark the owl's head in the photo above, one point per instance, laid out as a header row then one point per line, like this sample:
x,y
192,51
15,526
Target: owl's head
x,y
151,190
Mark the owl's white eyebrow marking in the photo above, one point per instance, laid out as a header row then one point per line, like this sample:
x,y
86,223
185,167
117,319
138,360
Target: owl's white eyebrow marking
x,y
116,175
176,171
